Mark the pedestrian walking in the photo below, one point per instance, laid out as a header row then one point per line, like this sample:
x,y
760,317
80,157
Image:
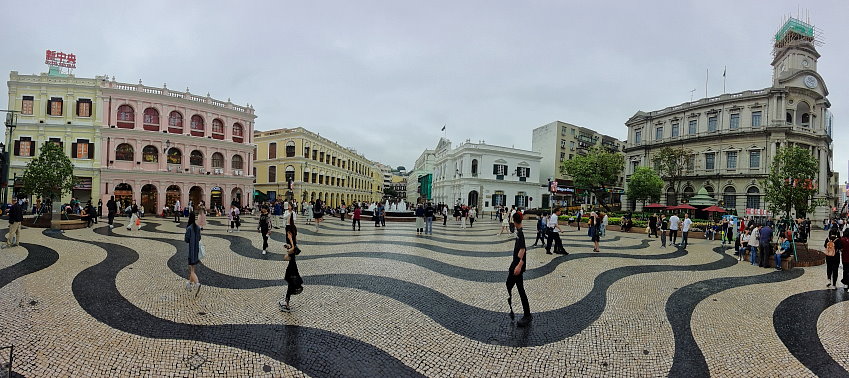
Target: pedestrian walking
x,y
134,217
444,215
16,217
541,229
318,213
832,258
294,282
99,208
178,211
505,227
112,209
233,217
594,223
196,252
264,227
355,218
765,244
604,225
464,216
685,229
674,224
473,214
515,274
754,244
664,229
653,225
554,234
844,255
420,213
201,221
308,212
429,215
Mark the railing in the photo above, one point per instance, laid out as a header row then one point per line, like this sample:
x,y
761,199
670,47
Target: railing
x,y
727,96
166,92
739,130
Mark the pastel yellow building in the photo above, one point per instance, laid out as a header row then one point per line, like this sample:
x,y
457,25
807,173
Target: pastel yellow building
x,y
62,109
301,165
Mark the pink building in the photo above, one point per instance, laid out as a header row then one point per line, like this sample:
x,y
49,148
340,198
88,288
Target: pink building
x,y
166,145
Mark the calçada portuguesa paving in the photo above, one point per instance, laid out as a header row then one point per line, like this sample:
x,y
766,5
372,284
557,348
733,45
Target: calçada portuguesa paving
x,y
385,302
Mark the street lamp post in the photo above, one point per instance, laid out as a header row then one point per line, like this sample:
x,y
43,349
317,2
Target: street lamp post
x,y
11,123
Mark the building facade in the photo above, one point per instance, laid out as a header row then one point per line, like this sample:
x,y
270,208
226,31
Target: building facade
x,y
316,167
560,141
733,137
62,109
486,176
166,145
420,179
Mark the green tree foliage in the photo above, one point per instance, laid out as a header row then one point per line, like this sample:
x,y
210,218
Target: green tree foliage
x,y
50,174
672,166
645,185
390,192
791,182
595,171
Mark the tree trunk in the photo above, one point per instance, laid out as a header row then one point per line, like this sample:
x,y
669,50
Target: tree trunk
x,y
601,199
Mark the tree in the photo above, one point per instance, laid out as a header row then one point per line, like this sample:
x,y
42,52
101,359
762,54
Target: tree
x,y
672,165
595,171
50,174
390,192
791,182
645,185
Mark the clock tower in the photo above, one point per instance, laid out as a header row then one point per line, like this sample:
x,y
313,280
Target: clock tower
x,y
794,50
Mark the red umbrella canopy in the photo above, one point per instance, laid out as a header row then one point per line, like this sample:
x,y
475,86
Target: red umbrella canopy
x,y
683,206
714,209
654,206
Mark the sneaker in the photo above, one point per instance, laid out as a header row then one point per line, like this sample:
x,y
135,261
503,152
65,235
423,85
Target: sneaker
x,y
111,226
828,285
263,251
285,308
188,285
548,253
525,321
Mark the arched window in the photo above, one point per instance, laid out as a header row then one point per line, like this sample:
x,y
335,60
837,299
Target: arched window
x,y
689,192
290,149
175,122
196,158
126,117
175,156
729,197
753,198
803,116
150,154
272,174
150,120
709,190
237,162
197,125
789,118
217,129
217,160
238,133
474,167
124,152
290,173
306,150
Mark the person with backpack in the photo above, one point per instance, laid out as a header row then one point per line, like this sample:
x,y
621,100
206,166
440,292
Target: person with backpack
x,y
294,282
264,227
832,259
542,229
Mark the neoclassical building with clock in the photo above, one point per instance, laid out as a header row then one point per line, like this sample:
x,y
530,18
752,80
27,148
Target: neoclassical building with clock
x,y
733,137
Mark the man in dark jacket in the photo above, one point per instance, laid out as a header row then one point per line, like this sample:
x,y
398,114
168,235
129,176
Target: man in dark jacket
x,y
765,245
112,207
16,216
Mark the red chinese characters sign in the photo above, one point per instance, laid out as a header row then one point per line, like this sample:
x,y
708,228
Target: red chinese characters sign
x,y
60,59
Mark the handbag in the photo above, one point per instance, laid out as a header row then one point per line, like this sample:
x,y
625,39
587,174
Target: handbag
x,y
201,250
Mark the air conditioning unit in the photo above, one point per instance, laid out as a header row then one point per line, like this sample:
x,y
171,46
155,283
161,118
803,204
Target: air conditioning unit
x,y
218,171
237,172
202,171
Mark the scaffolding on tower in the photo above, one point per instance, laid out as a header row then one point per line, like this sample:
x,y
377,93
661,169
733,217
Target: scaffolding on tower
x,y
795,31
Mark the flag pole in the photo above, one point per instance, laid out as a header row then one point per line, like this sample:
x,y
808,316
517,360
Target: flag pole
x,y
724,70
707,74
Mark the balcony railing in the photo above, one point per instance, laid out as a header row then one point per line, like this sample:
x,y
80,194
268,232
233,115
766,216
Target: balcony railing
x,y
723,132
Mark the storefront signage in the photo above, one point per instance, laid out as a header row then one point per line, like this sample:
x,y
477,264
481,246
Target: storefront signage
x,y
83,183
758,212
60,59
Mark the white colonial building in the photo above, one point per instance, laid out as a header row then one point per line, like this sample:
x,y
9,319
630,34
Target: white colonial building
x,y
733,137
486,176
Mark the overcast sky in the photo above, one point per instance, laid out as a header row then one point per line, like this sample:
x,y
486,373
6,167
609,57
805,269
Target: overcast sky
x,y
384,76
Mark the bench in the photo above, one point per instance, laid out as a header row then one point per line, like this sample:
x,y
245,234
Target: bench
x,y
787,263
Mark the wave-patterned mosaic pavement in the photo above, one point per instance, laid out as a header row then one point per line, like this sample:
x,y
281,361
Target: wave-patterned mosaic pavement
x,y
385,302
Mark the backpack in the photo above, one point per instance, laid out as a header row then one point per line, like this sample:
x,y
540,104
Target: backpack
x,y
829,248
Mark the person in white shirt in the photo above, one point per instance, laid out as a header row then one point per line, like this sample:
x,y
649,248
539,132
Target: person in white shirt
x,y
674,221
604,225
685,230
554,234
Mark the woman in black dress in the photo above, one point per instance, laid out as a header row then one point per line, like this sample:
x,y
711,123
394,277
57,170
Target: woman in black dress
x,y
293,277
594,223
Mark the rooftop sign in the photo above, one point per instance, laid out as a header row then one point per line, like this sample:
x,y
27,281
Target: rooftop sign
x,y
60,59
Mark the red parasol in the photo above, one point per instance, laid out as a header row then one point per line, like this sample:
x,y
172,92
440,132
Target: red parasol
x,y
714,209
682,206
654,206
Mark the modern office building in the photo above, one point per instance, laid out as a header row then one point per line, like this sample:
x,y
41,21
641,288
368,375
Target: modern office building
x,y
486,176
560,141
733,137
299,164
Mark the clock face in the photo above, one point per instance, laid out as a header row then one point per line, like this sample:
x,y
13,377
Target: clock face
x,y
810,81
805,63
